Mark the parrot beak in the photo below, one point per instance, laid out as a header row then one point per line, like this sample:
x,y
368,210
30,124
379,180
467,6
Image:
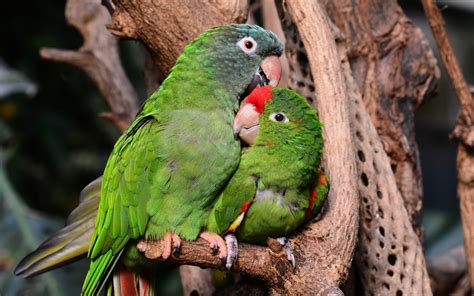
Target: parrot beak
x,y
269,73
271,70
246,123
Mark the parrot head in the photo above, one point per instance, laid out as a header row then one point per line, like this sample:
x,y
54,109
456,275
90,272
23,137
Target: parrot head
x,y
275,116
240,56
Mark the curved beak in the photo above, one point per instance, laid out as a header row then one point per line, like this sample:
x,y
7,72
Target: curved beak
x,y
271,68
246,123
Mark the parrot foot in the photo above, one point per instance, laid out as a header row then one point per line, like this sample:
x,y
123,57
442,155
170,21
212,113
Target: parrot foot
x,y
232,250
216,243
285,243
164,248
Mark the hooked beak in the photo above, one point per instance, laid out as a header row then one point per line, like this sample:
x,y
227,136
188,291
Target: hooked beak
x,y
271,70
246,123
269,73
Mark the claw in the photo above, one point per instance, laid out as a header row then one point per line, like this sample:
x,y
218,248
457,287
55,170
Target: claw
x,y
285,243
232,250
214,248
216,243
176,246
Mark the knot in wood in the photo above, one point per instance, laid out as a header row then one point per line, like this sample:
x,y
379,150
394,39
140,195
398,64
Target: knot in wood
x,y
122,25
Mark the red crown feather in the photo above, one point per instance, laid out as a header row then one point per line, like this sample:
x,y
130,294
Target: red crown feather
x,y
259,96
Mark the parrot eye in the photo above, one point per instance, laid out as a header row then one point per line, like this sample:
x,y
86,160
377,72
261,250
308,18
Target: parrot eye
x,y
279,117
248,45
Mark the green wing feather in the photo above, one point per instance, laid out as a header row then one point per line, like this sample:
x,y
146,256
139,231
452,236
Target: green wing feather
x,y
240,189
126,188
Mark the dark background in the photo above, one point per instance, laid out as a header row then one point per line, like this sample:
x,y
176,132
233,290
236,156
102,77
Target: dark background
x,y
53,143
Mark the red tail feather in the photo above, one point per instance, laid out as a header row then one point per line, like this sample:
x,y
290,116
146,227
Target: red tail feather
x,y
127,282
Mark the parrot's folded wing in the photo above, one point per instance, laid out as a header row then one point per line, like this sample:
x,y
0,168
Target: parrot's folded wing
x,y
229,210
70,243
321,193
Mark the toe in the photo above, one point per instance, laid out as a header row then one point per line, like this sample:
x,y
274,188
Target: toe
x,y
141,245
215,242
167,242
153,250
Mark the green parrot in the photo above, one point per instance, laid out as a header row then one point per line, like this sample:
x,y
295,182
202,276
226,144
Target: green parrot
x,y
278,185
168,168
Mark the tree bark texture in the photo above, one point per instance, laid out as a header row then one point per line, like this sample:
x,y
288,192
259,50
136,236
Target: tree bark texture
x,y
395,71
387,241
166,26
463,132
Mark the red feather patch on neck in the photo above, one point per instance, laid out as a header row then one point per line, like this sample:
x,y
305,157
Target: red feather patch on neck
x,y
259,96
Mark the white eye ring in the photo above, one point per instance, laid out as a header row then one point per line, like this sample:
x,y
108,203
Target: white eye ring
x,y
248,45
278,117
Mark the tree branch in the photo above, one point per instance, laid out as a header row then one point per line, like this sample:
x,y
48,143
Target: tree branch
x,y
395,71
334,237
465,123
166,26
383,253
98,57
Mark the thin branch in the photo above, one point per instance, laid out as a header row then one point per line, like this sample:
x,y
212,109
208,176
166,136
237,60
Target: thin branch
x,y
450,61
268,264
463,131
99,59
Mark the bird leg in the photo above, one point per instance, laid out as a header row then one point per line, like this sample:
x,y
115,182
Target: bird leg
x,y
232,250
154,249
285,243
216,243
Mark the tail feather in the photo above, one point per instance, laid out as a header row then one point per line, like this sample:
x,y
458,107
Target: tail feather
x,y
128,284
70,243
89,199
131,283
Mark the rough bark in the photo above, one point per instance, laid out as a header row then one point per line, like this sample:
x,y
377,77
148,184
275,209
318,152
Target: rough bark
x,y
388,242
463,132
166,26
99,58
333,237
395,71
